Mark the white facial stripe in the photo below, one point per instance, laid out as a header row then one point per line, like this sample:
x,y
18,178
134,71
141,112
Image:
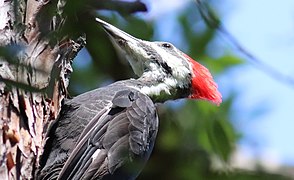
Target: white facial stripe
x,y
155,90
165,86
179,70
138,57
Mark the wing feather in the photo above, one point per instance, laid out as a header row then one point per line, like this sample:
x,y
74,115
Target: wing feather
x,y
99,134
113,140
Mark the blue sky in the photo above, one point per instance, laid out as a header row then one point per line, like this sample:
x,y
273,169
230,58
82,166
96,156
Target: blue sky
x,y
266,29
263,110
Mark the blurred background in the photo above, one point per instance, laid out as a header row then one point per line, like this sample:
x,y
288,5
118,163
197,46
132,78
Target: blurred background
x,y
249,135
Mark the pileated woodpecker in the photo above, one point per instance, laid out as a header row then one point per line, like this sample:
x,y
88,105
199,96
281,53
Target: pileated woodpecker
x,y
109,133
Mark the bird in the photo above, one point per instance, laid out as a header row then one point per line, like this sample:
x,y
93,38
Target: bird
x,y
109,132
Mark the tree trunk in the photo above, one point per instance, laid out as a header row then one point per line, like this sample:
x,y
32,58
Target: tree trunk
x,y
34,71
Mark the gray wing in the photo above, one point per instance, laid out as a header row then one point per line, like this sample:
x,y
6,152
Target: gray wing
x,y
65,131
117,142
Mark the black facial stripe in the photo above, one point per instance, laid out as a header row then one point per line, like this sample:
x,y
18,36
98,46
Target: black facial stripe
x,y
157,59
166,67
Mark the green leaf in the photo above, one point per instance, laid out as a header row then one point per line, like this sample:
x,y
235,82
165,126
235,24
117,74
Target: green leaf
x,y
223,63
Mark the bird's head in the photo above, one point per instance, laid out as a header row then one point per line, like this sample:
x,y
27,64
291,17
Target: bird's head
x,y
167,71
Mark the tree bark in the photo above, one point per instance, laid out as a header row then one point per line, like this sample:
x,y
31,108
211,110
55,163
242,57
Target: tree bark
x,y
34,74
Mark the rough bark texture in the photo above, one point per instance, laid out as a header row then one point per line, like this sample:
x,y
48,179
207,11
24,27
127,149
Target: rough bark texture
x,y
34,78
36,51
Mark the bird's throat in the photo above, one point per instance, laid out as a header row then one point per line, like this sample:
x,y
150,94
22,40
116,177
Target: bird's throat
x,y
163,90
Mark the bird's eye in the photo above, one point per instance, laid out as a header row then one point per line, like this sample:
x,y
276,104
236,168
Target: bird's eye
x,y
166,45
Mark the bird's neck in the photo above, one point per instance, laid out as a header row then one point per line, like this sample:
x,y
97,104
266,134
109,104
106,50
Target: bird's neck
x,y
161,88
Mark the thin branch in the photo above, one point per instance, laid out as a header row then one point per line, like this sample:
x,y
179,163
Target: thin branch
x,y
122,7
213,22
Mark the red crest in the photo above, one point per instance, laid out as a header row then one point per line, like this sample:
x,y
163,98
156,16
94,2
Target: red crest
x,y
203,85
